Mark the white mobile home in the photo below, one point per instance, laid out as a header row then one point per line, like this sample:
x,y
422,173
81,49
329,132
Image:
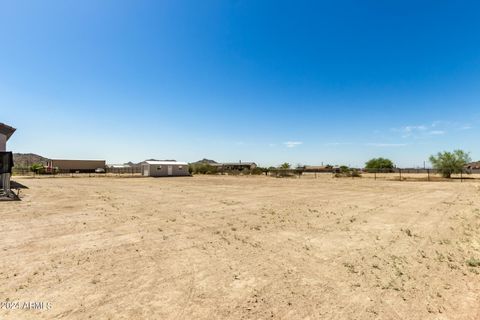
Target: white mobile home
x,y
165,169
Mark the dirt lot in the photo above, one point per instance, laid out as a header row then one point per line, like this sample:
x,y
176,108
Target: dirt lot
x,y
241,248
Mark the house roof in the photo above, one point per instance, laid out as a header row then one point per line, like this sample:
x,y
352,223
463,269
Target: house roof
x,y
6,130
164,163
473,165
236,163
318,167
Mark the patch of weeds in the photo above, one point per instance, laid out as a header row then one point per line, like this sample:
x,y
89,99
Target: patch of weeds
x,y
392,286
350,267
408,232
472,262
440,256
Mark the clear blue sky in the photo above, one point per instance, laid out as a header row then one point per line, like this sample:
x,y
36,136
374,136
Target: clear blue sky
x,y
268,81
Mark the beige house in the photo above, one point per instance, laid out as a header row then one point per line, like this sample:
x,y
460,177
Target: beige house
x,y
72,166
165,169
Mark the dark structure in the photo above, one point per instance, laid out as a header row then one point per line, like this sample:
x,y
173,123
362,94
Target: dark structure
x,y
73,166
6,159
234,166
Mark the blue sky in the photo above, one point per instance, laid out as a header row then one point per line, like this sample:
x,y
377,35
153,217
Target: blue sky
x,y
268,81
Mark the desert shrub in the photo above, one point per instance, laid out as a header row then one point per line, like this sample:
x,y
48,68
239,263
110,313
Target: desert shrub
x,y
258,171
472,262
347,172
202,168
236,172
356,173
379,164
37,168
344,169
283,173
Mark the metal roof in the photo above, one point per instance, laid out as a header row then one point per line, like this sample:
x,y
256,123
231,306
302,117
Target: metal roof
x,y
165,163
6,130
237,163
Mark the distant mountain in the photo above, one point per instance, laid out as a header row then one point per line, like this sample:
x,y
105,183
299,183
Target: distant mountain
x,y
205,161
27,159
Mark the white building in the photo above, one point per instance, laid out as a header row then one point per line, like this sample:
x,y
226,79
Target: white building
x,y
165,169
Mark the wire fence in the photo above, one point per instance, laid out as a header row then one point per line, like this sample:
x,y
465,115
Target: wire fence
x,y
124,171
396,174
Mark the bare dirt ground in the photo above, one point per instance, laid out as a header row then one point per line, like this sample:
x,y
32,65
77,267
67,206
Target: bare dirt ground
x,y
241,248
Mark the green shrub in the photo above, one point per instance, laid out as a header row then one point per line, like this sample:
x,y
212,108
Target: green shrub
x,y
258,171
347,172
472,262
37,168
379,164
202,168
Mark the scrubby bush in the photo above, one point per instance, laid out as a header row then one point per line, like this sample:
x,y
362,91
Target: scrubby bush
x,y
258,171
37,168
379,164
345,171
202,168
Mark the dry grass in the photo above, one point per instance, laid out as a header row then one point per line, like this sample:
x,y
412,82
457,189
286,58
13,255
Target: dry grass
x,y
242,248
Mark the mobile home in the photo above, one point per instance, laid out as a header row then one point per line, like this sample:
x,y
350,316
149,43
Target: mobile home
x,y
165,169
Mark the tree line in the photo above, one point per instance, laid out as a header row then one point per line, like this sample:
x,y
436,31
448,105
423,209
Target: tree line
x,y
446,163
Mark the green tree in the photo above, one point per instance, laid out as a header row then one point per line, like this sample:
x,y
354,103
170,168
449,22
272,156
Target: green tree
x,y
285,165
448,163
379,164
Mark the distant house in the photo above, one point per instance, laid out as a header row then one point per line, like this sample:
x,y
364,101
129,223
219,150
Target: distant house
x,y
473,165
164,168
6,159
326,168
119,166
81,166
235,166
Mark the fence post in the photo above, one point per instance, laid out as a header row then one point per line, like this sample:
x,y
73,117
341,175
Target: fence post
x,y
375,175
428,174
461,176
400,170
